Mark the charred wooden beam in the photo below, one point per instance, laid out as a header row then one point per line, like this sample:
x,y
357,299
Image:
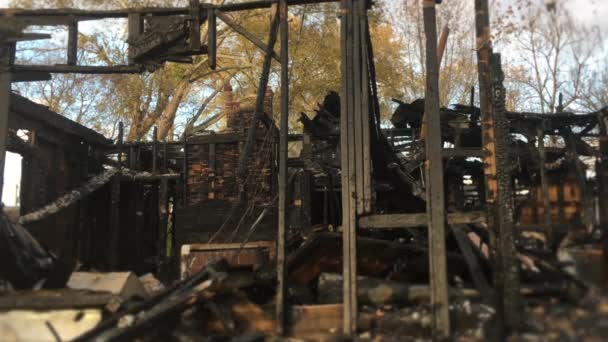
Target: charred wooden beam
x,y
79,69
211,38
135,29
283,157
72,43
194,34
5,98
70,198
32,76
544,185
435,194
507,273
395,221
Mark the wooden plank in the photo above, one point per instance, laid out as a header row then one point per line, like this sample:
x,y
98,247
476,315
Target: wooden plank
x,y
349,223
195,25
366,60
357,110
5,99
463,152
23,37
154,149
79,69
135,30
163,216
73,43
211,38
479,278
315,319
435,194
283,157
540,137
30,77
114,229
391,221
252,38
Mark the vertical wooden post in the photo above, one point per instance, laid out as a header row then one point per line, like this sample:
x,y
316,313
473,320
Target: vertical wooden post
x,y
349,205
73,43
283,146
601,170
435,195
154,149
136,28
540,136
212,38
365,141
195,25
119,142
185,174
507,275
5,98
114,228
162,218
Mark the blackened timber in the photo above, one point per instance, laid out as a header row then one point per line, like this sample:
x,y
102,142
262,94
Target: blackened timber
x,y
119,142
195,25
395,221
507,275
80,14
31,77
114,230
79,69
259,103
435,194
73,43
154,149
211,38
243,31
484,53
544,184
163,216
283,156
5,98
366,60
357,107
602,175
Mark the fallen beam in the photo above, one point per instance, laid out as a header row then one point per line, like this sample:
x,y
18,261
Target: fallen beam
x,y
69,198
391,221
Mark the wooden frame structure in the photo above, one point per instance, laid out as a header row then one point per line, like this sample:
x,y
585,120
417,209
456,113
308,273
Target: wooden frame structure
x,y
357,109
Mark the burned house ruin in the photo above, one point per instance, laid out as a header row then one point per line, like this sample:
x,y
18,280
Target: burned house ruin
x,y
449,208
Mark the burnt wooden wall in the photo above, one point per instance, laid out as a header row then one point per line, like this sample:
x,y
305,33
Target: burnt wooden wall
x,y
61,156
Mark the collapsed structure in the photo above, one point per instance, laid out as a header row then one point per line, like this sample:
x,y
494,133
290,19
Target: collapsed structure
x,y
438,208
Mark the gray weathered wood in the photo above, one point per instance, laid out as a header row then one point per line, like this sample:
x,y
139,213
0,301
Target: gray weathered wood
x,y
283,156
392,221
435,194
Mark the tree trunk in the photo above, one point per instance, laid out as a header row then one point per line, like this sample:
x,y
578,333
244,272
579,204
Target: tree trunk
x,y
167,118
